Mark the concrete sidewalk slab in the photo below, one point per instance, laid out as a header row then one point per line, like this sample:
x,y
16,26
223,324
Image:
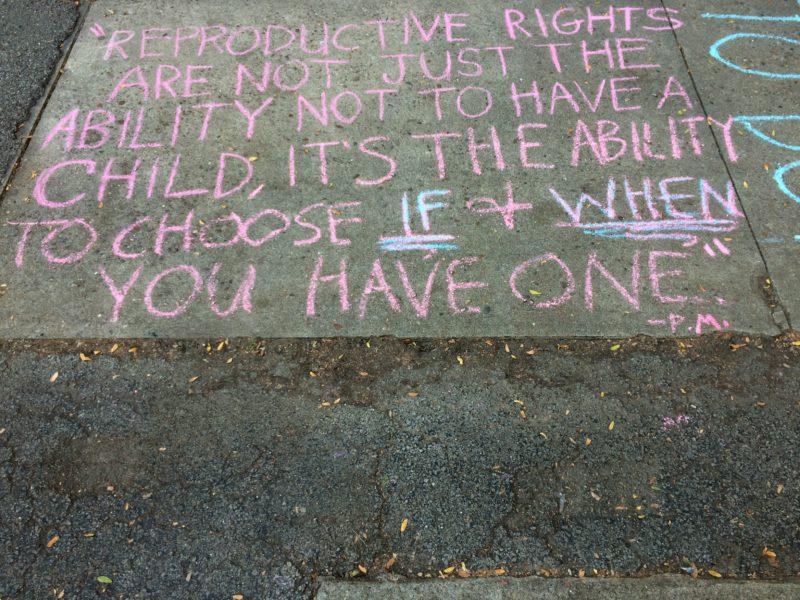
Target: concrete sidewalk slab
x,y
745,59
668,587
465,170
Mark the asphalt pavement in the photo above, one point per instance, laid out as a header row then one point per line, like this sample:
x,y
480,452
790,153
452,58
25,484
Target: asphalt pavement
x,y
32,35
191,470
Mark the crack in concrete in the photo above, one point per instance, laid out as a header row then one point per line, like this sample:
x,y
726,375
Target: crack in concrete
x,y
784,324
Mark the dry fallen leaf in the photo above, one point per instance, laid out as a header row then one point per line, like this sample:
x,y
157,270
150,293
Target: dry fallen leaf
x,y
53,377
403,525
460,360
84,358
611,426
363,569
388,564
768,553
714,573
413,394
448,570
52,541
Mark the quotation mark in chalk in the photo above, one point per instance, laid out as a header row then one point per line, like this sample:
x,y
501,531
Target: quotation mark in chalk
x,y
97,30
722,248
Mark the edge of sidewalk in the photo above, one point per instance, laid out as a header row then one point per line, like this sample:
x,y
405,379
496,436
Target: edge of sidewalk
x,y
37,107
666,587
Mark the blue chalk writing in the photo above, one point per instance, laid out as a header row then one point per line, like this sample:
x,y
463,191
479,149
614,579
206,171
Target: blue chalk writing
x,y
666,229
748,122
762,18
768,19
414,241
715,52
780,175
